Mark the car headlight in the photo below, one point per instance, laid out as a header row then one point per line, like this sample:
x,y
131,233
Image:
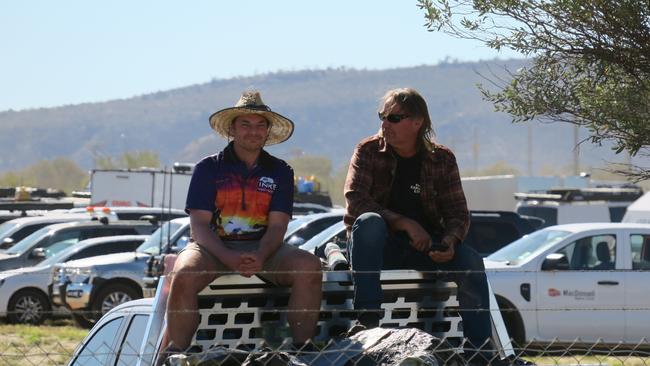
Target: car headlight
x,y
79,275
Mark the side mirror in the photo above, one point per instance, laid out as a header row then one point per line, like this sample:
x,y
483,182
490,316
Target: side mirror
x,y
7,243
296,241
555,262
180,244
151,218
38,254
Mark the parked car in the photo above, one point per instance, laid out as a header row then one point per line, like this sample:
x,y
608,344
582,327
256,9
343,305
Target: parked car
x,y
46,241
90,287
585,282
305,227
488,231
13,231
134,212
246,313
24,291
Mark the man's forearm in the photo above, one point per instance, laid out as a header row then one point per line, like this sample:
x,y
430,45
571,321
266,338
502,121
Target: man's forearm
x,y
208,240
271,241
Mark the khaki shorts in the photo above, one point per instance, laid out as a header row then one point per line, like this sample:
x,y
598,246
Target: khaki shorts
x,y
270,266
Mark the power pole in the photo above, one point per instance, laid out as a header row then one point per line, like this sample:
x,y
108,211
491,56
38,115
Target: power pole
x,y
576,151
530,149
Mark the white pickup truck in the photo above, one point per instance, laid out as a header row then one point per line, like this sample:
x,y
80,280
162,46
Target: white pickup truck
x,y
576,282
241,313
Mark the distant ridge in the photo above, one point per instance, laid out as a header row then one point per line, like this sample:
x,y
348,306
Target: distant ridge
x,y
332,108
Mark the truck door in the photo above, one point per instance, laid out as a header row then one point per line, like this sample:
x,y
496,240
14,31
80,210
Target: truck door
x,y
637,297
586,300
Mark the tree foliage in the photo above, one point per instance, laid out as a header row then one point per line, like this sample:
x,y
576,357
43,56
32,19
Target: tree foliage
x,y
590,62
129,160
59,173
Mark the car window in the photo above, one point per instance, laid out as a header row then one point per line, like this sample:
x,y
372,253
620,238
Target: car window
x,y
27,230
106,231
591,253
36,239
182,240
490,236
101,346
130,348
616,213
640,245
63,238
309,230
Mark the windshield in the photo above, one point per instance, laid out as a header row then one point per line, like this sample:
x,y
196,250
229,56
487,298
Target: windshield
x,y
323,236
294,224
6,228
153,244
59,255
58,247
29,242
528,246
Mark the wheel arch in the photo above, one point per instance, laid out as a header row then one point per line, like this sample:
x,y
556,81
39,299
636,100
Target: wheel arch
x,y
513,320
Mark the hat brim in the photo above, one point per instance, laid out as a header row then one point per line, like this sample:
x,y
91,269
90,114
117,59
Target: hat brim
x,y
281,126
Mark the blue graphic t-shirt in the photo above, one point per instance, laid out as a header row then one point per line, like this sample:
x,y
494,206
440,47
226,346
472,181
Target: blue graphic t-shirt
x,y
240,200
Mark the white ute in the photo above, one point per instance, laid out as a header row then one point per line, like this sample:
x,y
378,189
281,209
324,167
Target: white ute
x,y
586,282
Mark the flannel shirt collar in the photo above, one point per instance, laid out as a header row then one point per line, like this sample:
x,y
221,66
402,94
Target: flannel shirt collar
x,y
383,147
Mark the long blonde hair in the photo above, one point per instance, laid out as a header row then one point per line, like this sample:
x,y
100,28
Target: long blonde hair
x,y
412,104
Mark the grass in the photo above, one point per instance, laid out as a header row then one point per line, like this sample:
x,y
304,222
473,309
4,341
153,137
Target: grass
x,y
54,342
49,344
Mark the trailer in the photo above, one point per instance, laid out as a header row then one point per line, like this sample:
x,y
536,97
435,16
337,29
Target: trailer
x,y
140,187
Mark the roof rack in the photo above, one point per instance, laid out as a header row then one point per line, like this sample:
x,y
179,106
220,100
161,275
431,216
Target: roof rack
x,y
620,194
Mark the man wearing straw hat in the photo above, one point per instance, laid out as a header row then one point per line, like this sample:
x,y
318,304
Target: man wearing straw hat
x,y
240,201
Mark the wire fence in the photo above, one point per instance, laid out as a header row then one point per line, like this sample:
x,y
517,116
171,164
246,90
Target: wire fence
x,y
244,322
417,350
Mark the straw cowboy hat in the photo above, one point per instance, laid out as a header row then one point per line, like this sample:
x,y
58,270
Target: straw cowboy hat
x,y
250,102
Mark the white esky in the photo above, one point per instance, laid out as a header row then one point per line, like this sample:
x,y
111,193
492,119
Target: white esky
x,y
75,51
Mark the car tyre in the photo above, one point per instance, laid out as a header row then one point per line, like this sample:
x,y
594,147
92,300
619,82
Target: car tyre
x,y
82,321
28,307
111,296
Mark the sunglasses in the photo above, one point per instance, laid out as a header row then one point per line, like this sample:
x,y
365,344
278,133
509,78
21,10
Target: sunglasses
x,y
393,118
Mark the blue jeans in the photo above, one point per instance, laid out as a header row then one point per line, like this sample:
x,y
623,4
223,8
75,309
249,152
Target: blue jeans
x,y
373,248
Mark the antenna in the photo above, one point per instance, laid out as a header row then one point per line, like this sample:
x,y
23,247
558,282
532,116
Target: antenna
x,y
162,210
169,210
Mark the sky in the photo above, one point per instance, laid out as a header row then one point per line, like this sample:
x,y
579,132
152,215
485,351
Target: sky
x,y
76,51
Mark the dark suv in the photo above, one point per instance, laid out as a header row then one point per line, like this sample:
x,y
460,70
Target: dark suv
x,y
490,231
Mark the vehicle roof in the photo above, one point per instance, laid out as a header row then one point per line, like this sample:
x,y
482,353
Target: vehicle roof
x,y
98,223
51,217
598,225
181,220
145,302
107,239
124,209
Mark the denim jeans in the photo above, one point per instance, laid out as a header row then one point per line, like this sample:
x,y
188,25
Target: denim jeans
x,y
373,248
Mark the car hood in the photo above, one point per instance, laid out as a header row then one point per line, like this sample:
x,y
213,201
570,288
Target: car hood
x,y
8,262
24,271
6,256
108,259
491,265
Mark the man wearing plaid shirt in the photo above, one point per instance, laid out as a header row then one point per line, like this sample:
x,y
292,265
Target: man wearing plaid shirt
x,y
406,210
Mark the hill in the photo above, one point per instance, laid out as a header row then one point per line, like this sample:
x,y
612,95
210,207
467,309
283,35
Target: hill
x,y
332,109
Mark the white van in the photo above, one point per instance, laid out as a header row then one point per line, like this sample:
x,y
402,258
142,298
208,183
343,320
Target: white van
x,y
569,206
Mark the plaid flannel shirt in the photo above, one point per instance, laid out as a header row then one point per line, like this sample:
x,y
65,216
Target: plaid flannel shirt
x,y
370,178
